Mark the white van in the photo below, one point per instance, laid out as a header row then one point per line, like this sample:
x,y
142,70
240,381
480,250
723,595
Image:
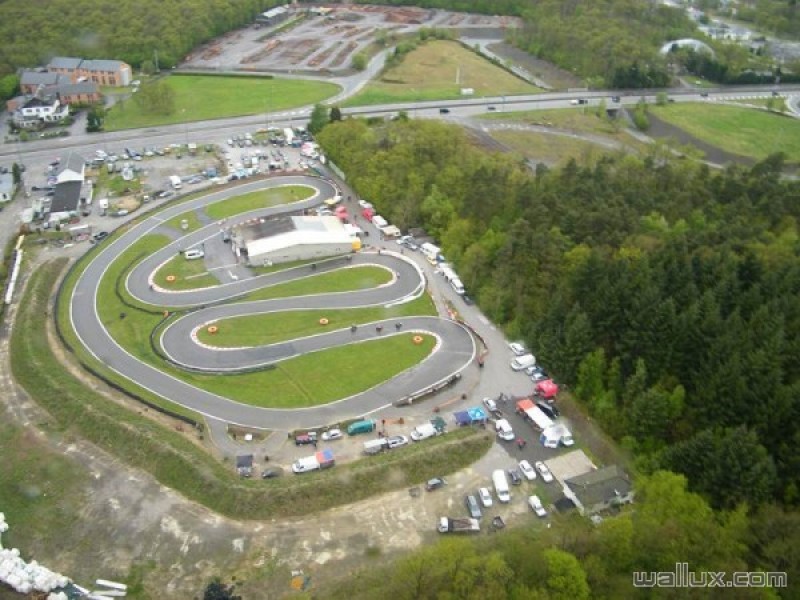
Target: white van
x,y
520,363
375,446
504,431
379,221
501,486
457,286
193,254
175,181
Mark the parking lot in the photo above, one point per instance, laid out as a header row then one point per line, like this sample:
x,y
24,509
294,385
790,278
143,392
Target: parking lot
x,y
326,42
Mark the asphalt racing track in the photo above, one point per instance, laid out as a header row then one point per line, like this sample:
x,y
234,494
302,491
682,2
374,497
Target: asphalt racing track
x,y
454,350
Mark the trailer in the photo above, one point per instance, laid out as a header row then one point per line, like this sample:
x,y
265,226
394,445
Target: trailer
x,y
448,525
288,135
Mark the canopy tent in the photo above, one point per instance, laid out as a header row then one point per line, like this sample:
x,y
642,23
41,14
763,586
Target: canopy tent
x,y
477,415
462,418
547,388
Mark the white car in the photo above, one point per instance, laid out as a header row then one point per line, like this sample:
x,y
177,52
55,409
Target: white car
x,y
396,441
193,254
536,506
490,404
486,497
518,348
547,476
365,204
527,470
332,434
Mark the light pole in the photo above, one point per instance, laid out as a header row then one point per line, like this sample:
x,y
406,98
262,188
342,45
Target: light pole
x,y
186,125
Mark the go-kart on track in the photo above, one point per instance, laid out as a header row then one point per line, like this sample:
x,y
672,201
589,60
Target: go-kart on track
x,y
454,350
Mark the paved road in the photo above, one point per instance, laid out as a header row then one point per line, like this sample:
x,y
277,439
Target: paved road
x,y
454,352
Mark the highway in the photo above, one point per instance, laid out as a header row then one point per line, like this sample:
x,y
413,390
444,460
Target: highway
x,y
454,351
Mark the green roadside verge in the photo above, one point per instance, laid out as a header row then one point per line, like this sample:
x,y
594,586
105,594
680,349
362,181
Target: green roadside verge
x,y
177,463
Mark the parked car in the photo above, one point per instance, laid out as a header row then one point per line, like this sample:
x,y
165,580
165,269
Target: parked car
x,y
513,475
100,236
536,506
527,470
518,348
549,409
547,476
271,472
490,404
434,484
365,204
467,300
473,507
332,434
491,108
486,497
444,111
302,439
396,441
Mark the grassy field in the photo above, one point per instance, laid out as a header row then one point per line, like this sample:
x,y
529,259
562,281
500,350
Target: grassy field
x,y
430,72
268,328
550,149
346,280
191,218
41,491
175,461
201,97
575,119
261,199
188,274
320,377
779,104
742,131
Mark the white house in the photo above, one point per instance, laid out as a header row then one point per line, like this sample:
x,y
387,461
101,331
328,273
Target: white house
x,y
37,110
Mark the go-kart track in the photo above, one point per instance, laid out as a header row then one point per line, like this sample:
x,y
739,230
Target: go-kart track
x,y
454,350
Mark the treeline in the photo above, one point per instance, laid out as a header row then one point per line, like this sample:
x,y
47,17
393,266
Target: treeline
x,y
33,32
778,16
485,7
666,295
610,42
575,560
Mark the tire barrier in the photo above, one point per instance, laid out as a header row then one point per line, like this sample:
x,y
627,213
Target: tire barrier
x,y
418,339
212,329
171,278
323,321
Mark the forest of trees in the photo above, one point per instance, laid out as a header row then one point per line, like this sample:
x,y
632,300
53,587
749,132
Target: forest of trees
x,y
665,294
781,17
33,32
575,560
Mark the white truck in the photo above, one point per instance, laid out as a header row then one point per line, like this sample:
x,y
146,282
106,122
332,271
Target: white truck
x,y
501,486
423,432
320,460
448,525
103,204
520,363
537,416
288,135
430,252
175,182
504,430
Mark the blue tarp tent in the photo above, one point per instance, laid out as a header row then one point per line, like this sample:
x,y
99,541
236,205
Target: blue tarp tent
x,y
477,415
462,418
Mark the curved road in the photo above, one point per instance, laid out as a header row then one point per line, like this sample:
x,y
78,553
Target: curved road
x,y
455,348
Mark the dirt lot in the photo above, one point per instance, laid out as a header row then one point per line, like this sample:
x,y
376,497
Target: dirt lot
x,y
326,43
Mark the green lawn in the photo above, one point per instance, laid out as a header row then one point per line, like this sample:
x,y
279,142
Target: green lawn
x,y
361,277
188,274
191,219
550,149
269,328
261,199
742,131
576,119
321,377
430,72
778,104
202,97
